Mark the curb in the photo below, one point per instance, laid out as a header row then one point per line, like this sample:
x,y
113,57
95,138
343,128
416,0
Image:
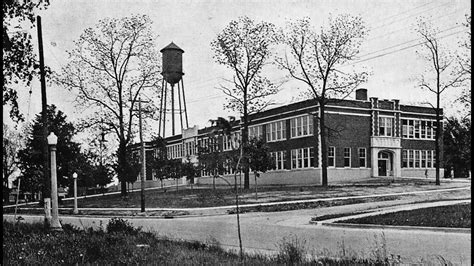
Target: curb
x,y
395,227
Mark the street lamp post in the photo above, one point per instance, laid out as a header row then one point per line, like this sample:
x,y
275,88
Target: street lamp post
x,y
143,160
74,176
55,224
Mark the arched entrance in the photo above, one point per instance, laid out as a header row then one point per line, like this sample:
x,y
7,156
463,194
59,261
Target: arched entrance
x,y
385,163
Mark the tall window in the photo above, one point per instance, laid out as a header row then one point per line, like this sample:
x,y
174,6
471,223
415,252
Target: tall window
x,y
301,126
256,132
411,158
417,129
386,126
332,156
405,128
428,130
302,158
423,159
226,142
347,157
417,159
279,157
228,167
411,129
423,130
276,130
429,159
362,157
231,141
404,158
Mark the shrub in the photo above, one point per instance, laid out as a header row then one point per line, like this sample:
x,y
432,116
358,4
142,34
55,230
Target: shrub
x,y
70,228
118,225
212,244
291,250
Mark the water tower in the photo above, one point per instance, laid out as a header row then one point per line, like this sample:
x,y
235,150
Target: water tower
x,y
172,74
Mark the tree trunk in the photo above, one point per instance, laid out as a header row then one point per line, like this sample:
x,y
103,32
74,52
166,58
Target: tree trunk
x,y
438,127
256,189
245,139
238,217
438,131
122,160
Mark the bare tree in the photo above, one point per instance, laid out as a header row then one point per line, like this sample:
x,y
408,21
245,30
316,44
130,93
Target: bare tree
x,y
244,47
318,59
439,74
109,67
464,66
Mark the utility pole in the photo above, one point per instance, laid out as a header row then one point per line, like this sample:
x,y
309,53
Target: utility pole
x,y
44,111
143,170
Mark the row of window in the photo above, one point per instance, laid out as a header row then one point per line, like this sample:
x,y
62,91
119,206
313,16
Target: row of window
x,y
302,158
418,129
275,131
418,159
362,154
226,169
411,128
181,150
231,142
189,148
175,151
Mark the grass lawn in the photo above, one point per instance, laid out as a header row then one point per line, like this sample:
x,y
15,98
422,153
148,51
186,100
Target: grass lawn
x,y
454,216
222,196
120,243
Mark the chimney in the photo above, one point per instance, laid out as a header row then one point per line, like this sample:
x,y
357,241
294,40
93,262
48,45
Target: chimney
x,y
361,94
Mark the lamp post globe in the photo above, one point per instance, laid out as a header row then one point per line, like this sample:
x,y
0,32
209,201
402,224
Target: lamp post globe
x,y
52,139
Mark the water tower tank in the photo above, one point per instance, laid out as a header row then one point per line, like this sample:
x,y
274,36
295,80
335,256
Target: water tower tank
x,y
172,63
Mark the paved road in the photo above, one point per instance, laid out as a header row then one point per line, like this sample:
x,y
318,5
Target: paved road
x,y
262,231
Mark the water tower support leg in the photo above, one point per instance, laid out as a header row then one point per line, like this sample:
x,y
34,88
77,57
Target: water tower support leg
x,y
180,109
160,122
164,112
172,110
184,103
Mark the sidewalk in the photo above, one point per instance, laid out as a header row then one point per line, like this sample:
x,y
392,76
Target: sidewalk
x,y
443,180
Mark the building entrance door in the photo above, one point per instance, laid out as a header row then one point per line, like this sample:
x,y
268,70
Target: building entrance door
x,y
382,167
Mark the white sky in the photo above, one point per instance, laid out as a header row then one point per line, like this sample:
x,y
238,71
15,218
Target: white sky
x,y
192,25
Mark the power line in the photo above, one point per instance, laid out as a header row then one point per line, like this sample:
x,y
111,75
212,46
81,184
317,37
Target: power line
x,y
405,27
412,15
401,49
400,44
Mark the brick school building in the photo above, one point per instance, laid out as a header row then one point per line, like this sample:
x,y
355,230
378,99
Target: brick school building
x,y
368,137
